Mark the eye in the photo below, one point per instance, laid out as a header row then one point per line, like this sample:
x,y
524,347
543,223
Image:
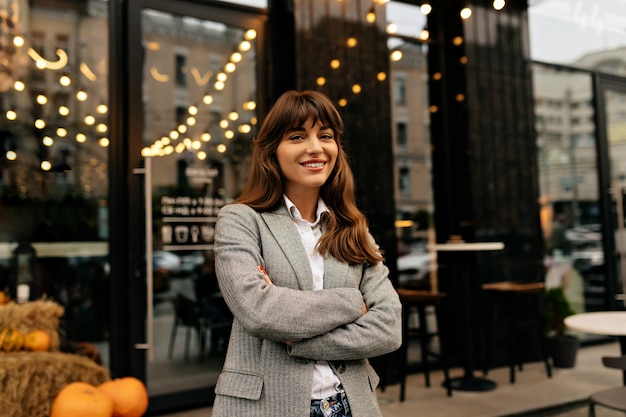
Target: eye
x,y
327,136
296,136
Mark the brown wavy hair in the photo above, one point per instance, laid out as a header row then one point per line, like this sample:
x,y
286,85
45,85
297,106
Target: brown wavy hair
x,y
346,235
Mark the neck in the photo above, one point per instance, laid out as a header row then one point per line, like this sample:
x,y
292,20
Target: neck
x,y
306,204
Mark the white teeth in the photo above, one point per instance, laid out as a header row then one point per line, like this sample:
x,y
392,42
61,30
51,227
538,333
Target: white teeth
x,y
314,165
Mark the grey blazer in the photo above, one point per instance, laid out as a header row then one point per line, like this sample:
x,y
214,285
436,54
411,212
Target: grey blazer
x,y
262,376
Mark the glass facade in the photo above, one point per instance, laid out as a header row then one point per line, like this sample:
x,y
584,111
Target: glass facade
x,y
54,167
528,103
575,45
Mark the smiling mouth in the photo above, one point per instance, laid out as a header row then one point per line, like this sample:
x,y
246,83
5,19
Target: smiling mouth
x,y
313,164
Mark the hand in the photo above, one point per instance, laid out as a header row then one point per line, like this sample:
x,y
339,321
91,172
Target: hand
x,y
266,277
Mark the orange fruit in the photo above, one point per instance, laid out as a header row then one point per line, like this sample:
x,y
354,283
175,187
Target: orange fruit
x,y
80,399
37,341
129,396
4,298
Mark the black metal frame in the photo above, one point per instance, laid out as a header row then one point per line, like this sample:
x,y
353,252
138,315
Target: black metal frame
x,y
127,246
602,83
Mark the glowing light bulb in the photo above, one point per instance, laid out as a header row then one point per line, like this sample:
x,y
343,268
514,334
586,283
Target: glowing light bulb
x,y
466,13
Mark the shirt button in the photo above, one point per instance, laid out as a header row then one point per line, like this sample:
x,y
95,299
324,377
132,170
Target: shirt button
x,y
317,278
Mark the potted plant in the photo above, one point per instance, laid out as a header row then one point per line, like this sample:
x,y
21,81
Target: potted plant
x,y
562,345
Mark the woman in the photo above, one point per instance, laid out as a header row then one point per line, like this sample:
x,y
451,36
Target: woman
x,y
302,276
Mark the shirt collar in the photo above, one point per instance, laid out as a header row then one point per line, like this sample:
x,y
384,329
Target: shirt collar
x,y
295,213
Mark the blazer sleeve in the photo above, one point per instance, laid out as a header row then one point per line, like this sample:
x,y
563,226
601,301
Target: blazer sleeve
x,y
376,333
268,311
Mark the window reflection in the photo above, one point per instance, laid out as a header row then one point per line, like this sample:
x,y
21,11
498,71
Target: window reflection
x,y
54,157
200,103
568,180
583,33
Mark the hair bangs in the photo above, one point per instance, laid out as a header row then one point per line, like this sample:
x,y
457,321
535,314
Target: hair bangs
x,y
307,106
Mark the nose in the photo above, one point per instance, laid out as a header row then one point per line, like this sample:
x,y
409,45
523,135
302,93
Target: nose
x,y
314,145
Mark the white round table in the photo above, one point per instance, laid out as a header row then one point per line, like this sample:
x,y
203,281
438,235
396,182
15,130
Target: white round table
x,y
609,323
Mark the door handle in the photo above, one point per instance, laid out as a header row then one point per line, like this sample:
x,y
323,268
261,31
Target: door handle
x,y
148,346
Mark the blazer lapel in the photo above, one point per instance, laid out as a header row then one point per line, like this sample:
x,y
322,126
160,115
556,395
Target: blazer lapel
x,y
286,235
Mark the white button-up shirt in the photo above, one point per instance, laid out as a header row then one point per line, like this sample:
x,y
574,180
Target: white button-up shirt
x,y
325,382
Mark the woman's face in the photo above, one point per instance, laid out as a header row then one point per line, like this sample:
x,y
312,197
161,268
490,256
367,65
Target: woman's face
x,y
306,156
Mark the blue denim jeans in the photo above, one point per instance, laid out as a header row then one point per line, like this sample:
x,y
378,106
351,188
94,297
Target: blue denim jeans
x,y
334,406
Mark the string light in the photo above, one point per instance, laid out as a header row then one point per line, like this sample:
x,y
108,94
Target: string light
x,y
371,16
65,81
499,4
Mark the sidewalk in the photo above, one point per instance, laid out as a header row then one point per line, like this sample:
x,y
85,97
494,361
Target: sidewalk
x,y
533,394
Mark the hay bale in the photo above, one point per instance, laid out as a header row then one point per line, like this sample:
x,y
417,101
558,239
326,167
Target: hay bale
x,y
29,381
40,314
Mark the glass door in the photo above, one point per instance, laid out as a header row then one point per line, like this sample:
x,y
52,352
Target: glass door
x,y
581,139
612,131
198,110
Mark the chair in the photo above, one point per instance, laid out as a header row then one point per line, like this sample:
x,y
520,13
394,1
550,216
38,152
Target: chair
x,y
613,398
214,311
420,300
518,306
187,314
